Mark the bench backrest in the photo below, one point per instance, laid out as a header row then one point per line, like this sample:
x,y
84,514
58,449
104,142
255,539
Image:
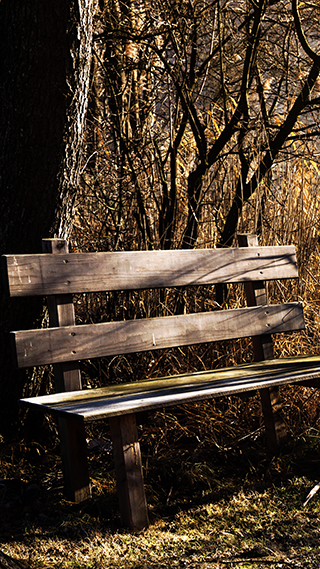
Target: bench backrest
x,y
57,276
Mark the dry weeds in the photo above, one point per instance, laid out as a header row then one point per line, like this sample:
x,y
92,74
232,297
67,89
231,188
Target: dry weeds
x,y
215,501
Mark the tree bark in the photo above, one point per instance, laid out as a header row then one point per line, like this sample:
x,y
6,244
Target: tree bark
x,y
45,50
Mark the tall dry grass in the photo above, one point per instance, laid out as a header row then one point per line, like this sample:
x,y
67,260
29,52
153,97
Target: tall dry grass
x,y
284,210
216,497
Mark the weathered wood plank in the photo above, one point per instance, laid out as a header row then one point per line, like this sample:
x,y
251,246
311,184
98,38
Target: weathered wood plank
x,y
70,343
128,467
276,432
67,376
121,399
74,458
92,272
256,296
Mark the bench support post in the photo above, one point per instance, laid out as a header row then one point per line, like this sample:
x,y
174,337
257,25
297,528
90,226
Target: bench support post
x,y
68,378
74,459
127,460
276,432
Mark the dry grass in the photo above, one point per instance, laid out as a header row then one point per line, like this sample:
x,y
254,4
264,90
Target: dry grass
x,y
217,499
211,506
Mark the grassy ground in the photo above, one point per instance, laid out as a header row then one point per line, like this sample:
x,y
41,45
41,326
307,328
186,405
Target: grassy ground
x,y
215,502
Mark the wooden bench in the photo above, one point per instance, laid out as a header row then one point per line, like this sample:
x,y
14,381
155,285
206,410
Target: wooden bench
x,y
58,274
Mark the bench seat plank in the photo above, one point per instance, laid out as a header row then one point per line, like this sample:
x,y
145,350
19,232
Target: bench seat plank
x,y
70,343
122,399
92,272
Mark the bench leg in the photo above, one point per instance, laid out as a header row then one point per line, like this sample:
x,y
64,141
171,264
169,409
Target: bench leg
x,y
276,432
74,459
128,467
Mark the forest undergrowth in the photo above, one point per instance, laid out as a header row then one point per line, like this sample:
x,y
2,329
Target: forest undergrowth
x,y
167,164
215,501
217,498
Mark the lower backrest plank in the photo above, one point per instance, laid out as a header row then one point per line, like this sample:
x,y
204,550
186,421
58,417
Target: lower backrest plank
x,y
54,345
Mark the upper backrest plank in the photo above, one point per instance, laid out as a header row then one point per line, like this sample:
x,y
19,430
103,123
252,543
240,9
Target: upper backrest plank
x,y
70,343
43,274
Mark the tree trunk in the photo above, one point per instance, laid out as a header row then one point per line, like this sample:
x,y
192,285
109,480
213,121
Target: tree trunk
x,y
45,51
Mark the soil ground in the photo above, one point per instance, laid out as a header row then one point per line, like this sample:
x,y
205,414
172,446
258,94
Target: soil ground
x,y
212,505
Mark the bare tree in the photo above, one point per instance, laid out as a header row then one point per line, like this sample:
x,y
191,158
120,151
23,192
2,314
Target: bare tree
x,y
197,105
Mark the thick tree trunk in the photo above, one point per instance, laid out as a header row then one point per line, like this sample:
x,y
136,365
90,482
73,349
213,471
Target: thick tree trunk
x,y
45,51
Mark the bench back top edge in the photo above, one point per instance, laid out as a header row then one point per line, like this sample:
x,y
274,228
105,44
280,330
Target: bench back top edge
x,y
47,274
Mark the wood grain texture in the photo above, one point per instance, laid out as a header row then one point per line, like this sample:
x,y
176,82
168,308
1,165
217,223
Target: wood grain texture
x,y
67,376
74,458
121,399
54,345
92,272
276,431
128,467
256,296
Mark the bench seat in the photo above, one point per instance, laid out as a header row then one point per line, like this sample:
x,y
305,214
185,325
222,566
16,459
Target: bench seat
x,y
121,399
